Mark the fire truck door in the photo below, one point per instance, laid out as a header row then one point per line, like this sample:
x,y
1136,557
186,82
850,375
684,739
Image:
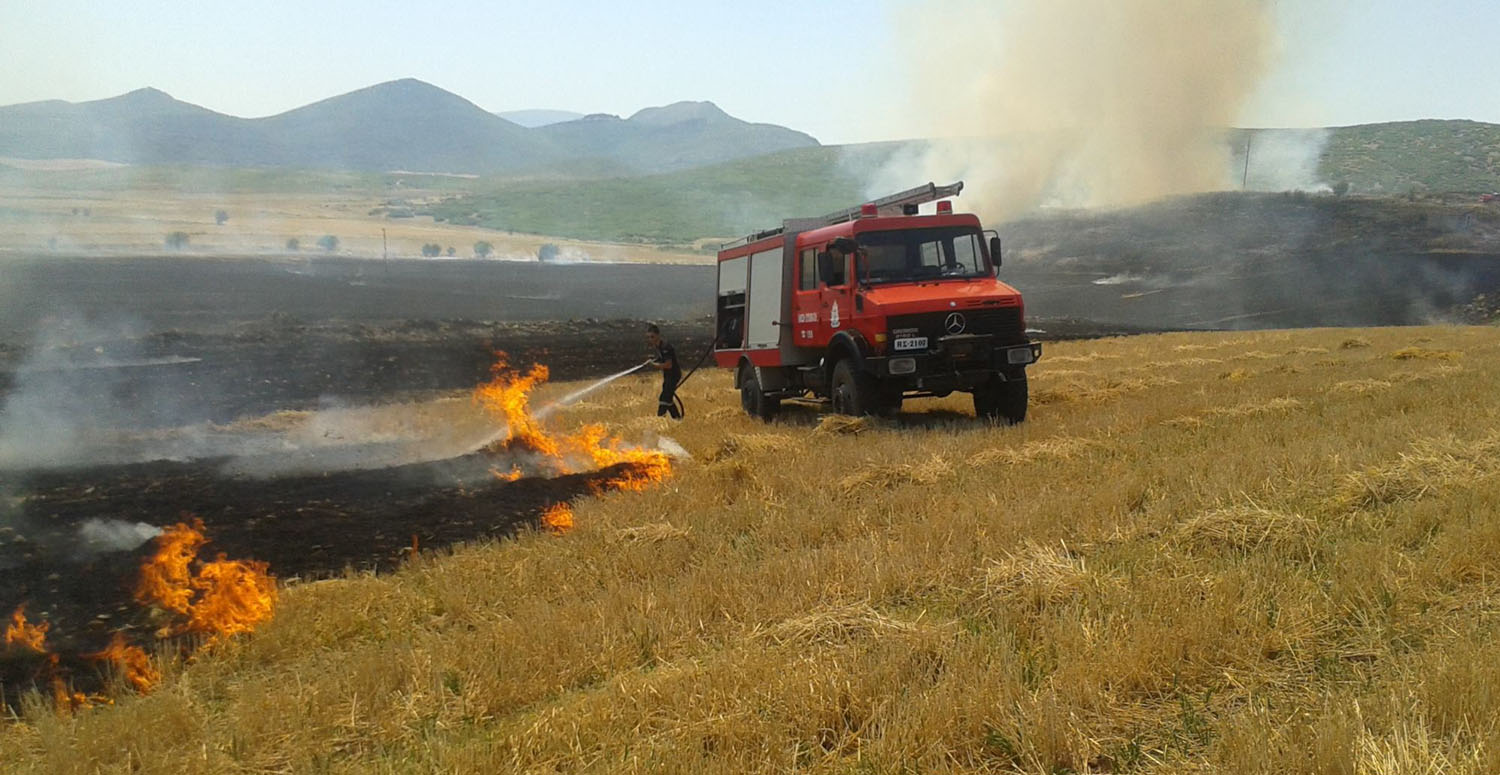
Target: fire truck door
x,y
836,302
807,300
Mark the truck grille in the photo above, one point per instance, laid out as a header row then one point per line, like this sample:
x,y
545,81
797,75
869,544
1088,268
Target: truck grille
x,y
1004,323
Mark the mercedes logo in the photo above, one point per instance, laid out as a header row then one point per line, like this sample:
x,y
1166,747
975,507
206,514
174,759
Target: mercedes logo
x,y
955,323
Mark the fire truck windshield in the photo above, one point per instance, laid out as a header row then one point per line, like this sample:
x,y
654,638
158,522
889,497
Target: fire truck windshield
x,y
912,255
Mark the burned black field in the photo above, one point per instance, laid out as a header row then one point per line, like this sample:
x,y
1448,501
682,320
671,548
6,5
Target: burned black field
x,y
127,408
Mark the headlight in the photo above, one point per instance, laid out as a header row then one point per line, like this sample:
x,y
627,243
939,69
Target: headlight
x,y
903,365
1018,356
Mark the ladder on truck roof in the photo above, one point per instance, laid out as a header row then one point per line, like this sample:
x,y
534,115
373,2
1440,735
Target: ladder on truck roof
x,y
894,204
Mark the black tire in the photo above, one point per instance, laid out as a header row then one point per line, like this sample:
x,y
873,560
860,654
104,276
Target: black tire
x,y
755,402
853,392
1004,401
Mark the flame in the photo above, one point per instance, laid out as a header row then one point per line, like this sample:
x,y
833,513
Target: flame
x,y
223,598
508,396
219,599
558,518
64,698
134,666
166,579
19,634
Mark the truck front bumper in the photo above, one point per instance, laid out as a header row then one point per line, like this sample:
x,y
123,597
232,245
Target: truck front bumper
x,y
956,365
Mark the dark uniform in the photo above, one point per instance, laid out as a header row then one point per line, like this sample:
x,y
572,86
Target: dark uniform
x,y
666,403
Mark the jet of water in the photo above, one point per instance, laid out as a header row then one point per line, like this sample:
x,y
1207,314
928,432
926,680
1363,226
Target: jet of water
x,y
577,395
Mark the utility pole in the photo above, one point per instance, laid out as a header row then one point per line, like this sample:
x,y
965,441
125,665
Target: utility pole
x,y
384,250
1249,139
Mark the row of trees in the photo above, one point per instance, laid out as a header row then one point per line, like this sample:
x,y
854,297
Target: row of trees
x,y
178,240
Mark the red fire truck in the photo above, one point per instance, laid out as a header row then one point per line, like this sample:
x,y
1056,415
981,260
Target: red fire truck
x,y
869,306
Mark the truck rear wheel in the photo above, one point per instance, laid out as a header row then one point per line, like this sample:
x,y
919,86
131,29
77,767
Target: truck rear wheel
x,y
853,391
755,402
1002,400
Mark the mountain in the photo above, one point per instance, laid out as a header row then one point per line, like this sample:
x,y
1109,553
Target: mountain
x,y
674,137
145,126
532,119
405,125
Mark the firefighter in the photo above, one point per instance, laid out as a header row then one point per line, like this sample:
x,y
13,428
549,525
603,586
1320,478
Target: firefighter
x,y
665,361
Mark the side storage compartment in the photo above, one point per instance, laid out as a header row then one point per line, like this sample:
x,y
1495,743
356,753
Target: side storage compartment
x,y
730,311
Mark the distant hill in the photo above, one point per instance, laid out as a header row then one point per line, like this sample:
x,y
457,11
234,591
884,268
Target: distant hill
x,y
734,198
675,137
405,124
723,200
1421,156
535,118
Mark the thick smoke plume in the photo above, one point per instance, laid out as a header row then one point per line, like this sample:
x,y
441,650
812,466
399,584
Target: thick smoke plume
x,y
1080,102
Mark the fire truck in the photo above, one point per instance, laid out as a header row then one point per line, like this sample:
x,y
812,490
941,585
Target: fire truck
x,y
869,306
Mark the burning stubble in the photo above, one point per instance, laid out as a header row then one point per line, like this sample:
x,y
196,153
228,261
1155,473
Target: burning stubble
x,y
1080,102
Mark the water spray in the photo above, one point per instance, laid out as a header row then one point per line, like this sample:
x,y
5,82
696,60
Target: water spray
x,y
577,395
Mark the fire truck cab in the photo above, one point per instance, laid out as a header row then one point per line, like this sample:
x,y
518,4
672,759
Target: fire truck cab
x,y
913,310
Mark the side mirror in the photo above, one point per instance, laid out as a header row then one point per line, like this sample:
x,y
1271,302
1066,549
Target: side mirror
x,y
995,250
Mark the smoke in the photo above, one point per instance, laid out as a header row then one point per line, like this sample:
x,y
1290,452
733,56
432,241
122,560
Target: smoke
x,y
1280,160
97,536
1094,103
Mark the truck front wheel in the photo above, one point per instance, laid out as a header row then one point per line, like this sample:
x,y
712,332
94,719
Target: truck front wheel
x,y
1001,400
853,391
755,402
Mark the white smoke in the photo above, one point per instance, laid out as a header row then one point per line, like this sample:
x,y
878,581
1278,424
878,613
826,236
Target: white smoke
x,y
98,536
1280,160
1092,103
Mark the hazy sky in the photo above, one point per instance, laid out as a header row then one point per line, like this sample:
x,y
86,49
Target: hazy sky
x,y
827,68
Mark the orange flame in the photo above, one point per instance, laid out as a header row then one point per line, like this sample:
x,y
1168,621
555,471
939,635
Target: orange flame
x,y
166,579
19,634
558,518
508,395
134,666
223,598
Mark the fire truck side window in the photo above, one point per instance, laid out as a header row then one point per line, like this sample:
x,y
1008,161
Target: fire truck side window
x,y
838,269
966,253
808,273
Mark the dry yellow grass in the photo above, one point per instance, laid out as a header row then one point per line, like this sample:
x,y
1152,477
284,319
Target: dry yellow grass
x,y
1306,583
1418,353
138,221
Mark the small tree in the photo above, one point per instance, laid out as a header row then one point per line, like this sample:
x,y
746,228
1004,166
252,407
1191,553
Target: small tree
x,y
328,242
1341,188
294,244
547,252
451,252
177,240
483,249
220,216
431,250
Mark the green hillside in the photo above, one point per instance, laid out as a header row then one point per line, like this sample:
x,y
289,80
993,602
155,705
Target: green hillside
x,y
1434,156
737,197
724,200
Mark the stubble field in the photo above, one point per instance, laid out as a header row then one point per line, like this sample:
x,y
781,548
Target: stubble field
x,y
1242,552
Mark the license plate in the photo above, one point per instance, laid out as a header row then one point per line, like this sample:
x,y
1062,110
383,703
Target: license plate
x,y
911,343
